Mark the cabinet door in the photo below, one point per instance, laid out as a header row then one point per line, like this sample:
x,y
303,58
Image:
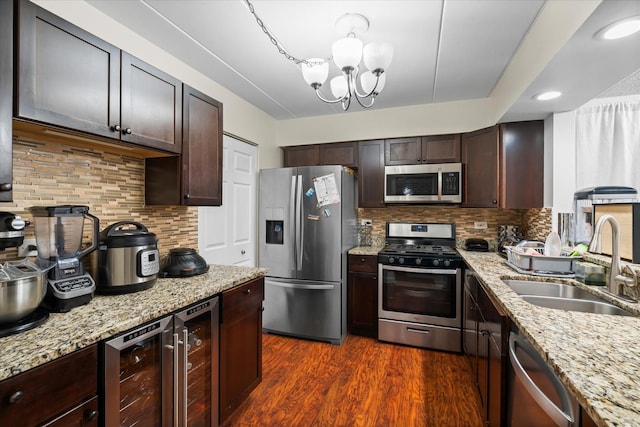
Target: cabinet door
x,y
240,344
371,174
340,153
362,299
362,314
49,390
480,168
151,106
522,165
201,150
83,415
403,151
441,149
302,155
6,95
66,76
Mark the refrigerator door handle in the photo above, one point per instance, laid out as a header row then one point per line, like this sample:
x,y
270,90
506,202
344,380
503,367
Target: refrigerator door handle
x,y
292,216
299,225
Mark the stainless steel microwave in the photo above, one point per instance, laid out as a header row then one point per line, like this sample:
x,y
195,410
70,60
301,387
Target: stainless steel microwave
x,y
425,183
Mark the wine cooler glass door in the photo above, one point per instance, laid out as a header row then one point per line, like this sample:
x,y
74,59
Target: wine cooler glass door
x,y
137,377
197,331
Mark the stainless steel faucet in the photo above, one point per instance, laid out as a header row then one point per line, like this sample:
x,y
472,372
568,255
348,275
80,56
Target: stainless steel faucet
x,y
616,279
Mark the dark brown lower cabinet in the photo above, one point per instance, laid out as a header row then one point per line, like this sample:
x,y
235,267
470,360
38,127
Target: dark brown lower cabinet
x,y
485,340
362,295
59,393
240,344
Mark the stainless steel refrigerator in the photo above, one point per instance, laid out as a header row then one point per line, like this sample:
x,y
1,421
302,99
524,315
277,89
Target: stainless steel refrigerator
x,y
307,224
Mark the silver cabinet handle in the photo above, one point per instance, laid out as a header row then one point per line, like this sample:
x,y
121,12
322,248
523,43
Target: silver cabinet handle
x,y
16,397
185,338
116,128
127,131
176,360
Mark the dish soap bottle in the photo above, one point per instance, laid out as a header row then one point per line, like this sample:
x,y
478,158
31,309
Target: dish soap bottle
x,y
552,245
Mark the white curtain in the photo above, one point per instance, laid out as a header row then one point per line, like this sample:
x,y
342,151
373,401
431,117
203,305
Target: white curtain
x,y
608,145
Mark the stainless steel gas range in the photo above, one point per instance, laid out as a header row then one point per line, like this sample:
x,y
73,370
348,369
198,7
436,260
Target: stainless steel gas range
x,y
420,287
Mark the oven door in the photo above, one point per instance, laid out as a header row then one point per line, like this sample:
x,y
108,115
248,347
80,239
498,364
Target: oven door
x,y
420,295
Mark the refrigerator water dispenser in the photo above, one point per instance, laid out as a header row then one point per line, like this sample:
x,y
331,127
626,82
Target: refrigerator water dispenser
x,y
275,232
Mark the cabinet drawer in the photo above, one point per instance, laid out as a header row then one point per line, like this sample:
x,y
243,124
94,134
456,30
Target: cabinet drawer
x,y
49,390
237,301
363,263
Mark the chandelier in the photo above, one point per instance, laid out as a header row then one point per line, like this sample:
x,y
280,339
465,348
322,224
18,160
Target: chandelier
x,y
347,53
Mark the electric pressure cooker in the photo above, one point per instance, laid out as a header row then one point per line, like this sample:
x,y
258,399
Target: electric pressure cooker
x,y
127,259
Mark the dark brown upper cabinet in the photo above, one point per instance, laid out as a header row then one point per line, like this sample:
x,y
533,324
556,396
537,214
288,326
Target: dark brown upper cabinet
x,y
68,78
6,91
422,149
302,155
195,178
503,166
371,174
337,153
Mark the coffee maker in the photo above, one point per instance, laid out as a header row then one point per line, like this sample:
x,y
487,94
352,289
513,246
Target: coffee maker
x,y
59,235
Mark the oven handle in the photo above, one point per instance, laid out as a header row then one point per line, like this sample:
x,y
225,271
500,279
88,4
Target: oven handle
x,y
185,373
420,270
176,362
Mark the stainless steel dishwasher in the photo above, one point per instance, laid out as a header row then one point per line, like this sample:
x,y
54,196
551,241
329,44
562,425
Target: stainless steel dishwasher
x,y
536,397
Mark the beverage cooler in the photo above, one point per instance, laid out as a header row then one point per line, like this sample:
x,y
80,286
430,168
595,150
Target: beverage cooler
x,y
164,373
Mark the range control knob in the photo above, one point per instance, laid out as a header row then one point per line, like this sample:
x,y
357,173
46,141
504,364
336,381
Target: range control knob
x,y
401,261
436,262
418,261
391,260
447,263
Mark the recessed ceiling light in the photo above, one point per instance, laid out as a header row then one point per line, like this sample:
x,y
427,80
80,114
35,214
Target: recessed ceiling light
x,y
619,29
545,96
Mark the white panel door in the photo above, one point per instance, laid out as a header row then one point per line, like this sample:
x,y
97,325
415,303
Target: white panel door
x,y
227,233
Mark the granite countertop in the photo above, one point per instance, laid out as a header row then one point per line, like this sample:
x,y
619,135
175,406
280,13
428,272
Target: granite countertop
x,y
365,250
106,316
596,356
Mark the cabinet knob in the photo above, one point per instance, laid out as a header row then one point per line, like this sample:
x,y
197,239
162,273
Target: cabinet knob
x,y
92,415
187,196
247,291
116,128
494,201
128,131
243,252
6,186
362,260
484,332
16,397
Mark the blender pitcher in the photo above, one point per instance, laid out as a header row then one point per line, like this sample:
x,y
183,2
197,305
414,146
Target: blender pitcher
x,y
58,231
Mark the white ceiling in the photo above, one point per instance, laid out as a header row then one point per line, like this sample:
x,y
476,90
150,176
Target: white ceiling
x,y
444,50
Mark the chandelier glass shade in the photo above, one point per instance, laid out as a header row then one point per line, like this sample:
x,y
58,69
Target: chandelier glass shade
x,y
347,54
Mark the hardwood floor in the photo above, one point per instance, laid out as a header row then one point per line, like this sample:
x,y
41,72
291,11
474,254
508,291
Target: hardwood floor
x,y
360,383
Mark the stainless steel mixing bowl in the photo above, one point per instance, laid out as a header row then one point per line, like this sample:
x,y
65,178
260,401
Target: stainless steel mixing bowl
x,y
21,296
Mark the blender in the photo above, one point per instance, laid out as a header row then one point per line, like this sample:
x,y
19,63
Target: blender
x,y
59,234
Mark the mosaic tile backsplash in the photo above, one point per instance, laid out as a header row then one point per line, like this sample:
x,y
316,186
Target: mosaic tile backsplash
x,y
534,223
112,185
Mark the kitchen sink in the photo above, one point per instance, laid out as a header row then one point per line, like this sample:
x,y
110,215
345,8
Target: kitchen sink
x,y
561,296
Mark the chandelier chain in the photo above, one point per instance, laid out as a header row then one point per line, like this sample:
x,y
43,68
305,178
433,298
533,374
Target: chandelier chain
x,y
274,41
